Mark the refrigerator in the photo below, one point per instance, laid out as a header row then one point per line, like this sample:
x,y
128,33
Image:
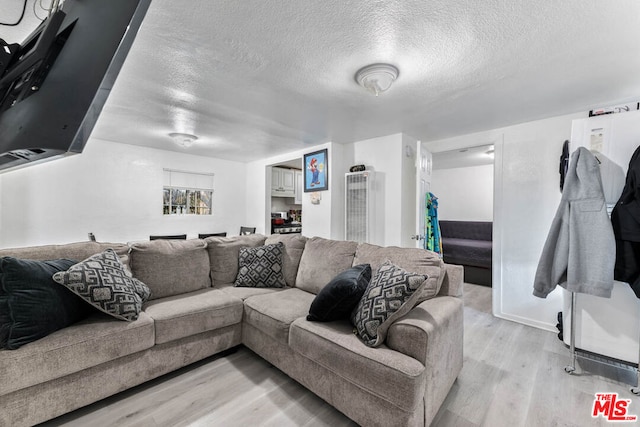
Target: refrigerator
x,y
607,326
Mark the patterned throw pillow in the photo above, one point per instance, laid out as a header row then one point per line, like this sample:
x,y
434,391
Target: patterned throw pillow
x,y
390,295
102,281
261,267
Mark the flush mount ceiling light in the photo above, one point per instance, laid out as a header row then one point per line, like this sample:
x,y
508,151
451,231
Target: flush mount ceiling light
x,y
185,140
377,78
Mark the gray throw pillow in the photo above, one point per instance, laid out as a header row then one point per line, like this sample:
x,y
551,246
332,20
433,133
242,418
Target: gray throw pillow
x,y
390,295
102,281
261,267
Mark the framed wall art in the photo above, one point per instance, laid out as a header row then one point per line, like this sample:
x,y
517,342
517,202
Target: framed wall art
x,y
316,171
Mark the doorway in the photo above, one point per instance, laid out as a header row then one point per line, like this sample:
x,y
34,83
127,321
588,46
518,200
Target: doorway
x,y
284,197
463,181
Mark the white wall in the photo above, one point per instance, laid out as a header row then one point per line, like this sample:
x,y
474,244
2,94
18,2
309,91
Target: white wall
x,y
464,194
526,197
395,178
384,156
323,220
341,159
115,191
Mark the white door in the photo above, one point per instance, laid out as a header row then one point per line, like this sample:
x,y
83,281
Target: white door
x,y
423,185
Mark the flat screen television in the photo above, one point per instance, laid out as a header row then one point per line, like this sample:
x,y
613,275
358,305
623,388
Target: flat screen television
x,y
54,84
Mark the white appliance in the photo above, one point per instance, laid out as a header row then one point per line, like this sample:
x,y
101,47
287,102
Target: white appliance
x,y
359,206
607,326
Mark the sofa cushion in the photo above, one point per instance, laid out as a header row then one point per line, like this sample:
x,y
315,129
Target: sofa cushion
x,y
453,282
244,293
103,282
171,267
224,252
390,295
322,260
32,305
411,259
293,247
273,313
90,342
338,299
188,314
477,253
393,376
77,251
260,267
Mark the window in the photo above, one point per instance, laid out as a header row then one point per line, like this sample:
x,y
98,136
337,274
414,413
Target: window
x,y
187,193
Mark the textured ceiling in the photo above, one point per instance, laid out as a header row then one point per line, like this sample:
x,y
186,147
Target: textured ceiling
x,y
256,78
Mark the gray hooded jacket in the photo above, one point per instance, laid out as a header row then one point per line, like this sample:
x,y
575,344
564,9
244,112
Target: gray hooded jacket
x,y
580,250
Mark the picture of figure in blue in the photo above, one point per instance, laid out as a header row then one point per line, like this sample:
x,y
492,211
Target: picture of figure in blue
x,y
315,174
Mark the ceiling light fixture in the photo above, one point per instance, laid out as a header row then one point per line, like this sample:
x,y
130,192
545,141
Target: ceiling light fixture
x,y
377,78
185,140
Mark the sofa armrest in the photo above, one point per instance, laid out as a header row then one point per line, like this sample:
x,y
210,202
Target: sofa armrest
x,y
431,329
432,333
452,284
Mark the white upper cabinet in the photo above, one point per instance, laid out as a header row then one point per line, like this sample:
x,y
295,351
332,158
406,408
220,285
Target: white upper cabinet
x,y
282,182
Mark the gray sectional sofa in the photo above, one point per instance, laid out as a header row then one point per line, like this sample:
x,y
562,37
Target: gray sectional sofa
x,y
195,312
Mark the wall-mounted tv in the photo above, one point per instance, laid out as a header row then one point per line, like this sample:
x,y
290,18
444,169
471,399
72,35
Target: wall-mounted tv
x,y
54,83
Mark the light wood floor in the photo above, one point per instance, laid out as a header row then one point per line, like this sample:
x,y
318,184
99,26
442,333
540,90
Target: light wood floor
x,y
512,376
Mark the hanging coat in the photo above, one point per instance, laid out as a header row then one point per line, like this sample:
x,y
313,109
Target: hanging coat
x,y
579,253
625,219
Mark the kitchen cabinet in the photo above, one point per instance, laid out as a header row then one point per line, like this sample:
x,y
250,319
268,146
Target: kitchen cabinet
x,y
288,180
298,189
282,182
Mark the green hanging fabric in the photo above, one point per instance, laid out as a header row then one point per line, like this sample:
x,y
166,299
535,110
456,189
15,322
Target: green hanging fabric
x,y
428,244
432,240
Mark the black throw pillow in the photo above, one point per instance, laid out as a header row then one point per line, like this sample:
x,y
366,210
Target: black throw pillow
x,y
341,295
36,305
